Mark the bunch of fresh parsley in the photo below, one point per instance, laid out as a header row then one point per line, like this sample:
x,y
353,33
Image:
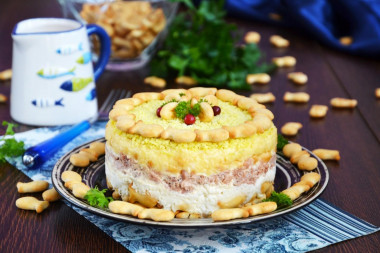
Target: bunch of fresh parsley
x,y
10,147
96,197
201,44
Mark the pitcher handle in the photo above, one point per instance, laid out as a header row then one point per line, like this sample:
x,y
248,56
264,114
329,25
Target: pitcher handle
x,y
105,48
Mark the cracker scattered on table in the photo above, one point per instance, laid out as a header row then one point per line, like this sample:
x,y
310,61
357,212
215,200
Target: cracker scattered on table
x,y
3,98
252,37
291,128
34,186
31,203
346,41
343,103
285,61
296,97
6,75
278,41
299,78
261,78
318,111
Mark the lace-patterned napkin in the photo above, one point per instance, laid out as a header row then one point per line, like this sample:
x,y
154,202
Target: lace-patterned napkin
x,y
315,226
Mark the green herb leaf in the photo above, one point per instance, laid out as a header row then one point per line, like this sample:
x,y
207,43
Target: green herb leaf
x,y
96,197
182,109
167,102
10,127
188,3
281,142
10,146
195,110
281,199
201,44
178,63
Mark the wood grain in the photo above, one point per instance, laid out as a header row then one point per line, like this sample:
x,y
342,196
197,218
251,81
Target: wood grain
x,y
360,83
354,183
27,231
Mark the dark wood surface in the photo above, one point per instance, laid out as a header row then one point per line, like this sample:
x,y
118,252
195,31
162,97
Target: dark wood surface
x,y
355,180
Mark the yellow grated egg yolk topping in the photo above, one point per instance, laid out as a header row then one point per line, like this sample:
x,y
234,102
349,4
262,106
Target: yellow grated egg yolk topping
x,y
230,116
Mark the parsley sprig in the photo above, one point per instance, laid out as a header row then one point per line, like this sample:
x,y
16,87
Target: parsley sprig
x,y
184,107
96,197
281,199
10,146
201,44
167,102
281,142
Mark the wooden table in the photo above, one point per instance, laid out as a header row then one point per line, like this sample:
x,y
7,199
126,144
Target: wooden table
x,y
355,180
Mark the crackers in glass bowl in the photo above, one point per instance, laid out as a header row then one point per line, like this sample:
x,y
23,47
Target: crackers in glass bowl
x,y
135,27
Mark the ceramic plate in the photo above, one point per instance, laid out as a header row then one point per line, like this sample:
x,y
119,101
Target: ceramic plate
x,y
286,175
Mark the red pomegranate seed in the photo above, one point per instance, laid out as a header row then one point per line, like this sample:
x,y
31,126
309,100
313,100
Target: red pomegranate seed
x,y
158,112
189,119
216,110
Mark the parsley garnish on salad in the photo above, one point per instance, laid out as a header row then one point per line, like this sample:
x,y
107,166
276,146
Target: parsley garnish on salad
x,y
96,197
184,107
281,142
281,199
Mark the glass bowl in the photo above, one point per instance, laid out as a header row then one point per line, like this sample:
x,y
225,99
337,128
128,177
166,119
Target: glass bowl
x,y
136,28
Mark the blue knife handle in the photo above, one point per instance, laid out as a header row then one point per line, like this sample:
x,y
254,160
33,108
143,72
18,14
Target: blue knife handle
x,y
36,155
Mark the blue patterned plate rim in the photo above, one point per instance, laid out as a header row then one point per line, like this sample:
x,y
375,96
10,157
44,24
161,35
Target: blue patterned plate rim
x,y
286,175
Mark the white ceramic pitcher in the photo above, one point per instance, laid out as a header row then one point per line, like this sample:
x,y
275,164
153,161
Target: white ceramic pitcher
x,y
53,79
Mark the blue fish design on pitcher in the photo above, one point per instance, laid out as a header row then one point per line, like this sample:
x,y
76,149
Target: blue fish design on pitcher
x,y
47,102
55,72
85,58
69,49
76,84
91,95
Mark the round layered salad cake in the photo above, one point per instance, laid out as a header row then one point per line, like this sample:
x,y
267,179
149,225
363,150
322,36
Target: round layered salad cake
x,y
195,150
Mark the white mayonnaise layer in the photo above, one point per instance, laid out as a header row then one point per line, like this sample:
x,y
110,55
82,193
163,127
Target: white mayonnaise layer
x,y
203,199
